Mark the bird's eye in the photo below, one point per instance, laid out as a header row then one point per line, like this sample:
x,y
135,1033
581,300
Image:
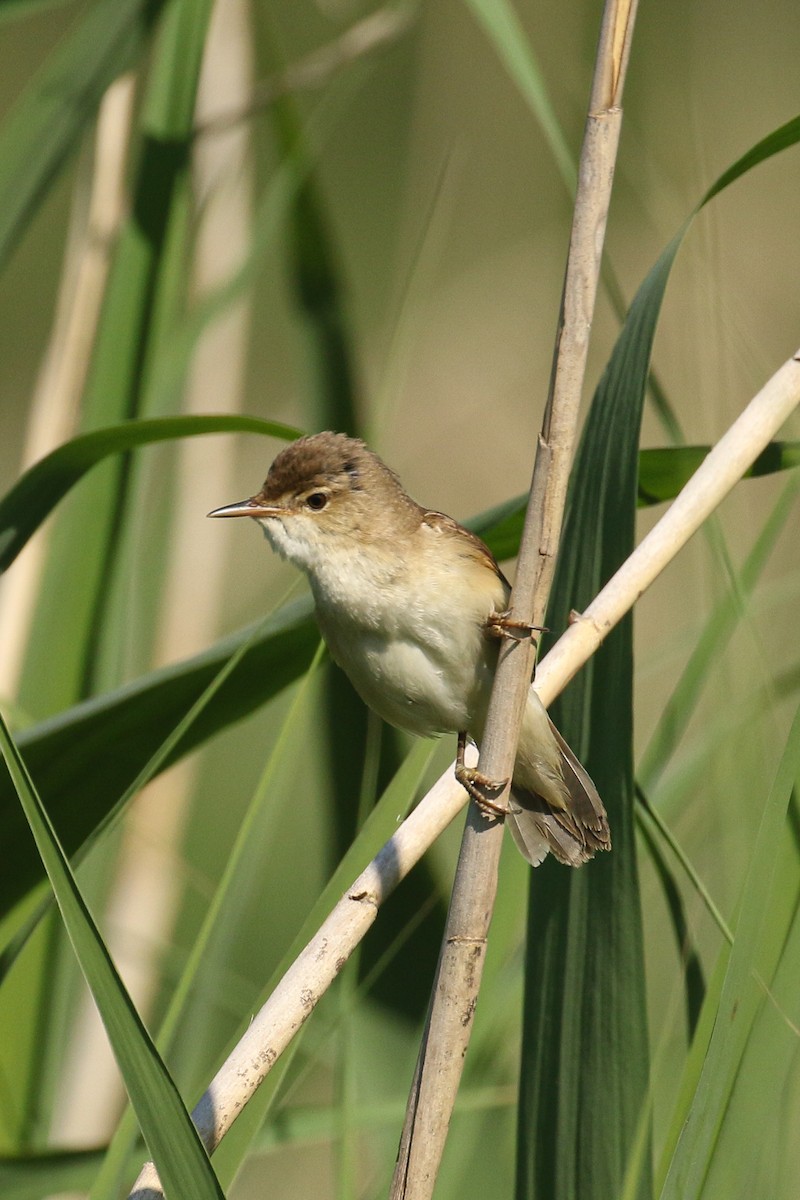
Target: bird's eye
x,y
316,501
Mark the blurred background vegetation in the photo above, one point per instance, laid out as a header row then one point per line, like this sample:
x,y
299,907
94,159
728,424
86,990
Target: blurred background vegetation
x,y
362,224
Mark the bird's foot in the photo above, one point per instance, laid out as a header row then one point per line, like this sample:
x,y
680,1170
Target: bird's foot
x,y
502,625
476,784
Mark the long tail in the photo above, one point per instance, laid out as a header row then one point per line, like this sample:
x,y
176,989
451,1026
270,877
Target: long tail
x,y
571,823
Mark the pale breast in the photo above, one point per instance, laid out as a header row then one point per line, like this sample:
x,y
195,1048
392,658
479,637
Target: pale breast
x,y
415,649
410,687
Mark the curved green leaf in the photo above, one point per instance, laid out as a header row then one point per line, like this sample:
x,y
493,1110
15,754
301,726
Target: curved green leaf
x,y
168,1130
663,471
782,138
585,1024
38,491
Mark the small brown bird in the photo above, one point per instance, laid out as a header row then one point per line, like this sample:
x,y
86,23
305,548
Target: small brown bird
x,y
410,604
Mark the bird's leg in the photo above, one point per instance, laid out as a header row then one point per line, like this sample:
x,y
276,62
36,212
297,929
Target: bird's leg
x,y
477,784
501,625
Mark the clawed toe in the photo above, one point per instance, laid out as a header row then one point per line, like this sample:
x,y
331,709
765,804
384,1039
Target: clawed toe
x,y
478,784
501,625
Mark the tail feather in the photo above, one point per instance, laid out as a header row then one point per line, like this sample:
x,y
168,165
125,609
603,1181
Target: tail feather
x,y
574,830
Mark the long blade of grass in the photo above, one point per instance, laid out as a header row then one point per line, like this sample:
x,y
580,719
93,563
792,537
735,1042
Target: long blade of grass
x,y
663,471
166,1125
34,496
585,1026
78,597
209,948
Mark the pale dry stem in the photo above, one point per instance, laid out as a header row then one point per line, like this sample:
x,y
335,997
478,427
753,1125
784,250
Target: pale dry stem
x,y
460,968
461,963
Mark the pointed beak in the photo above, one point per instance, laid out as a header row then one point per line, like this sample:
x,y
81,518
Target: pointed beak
x,y
253,507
